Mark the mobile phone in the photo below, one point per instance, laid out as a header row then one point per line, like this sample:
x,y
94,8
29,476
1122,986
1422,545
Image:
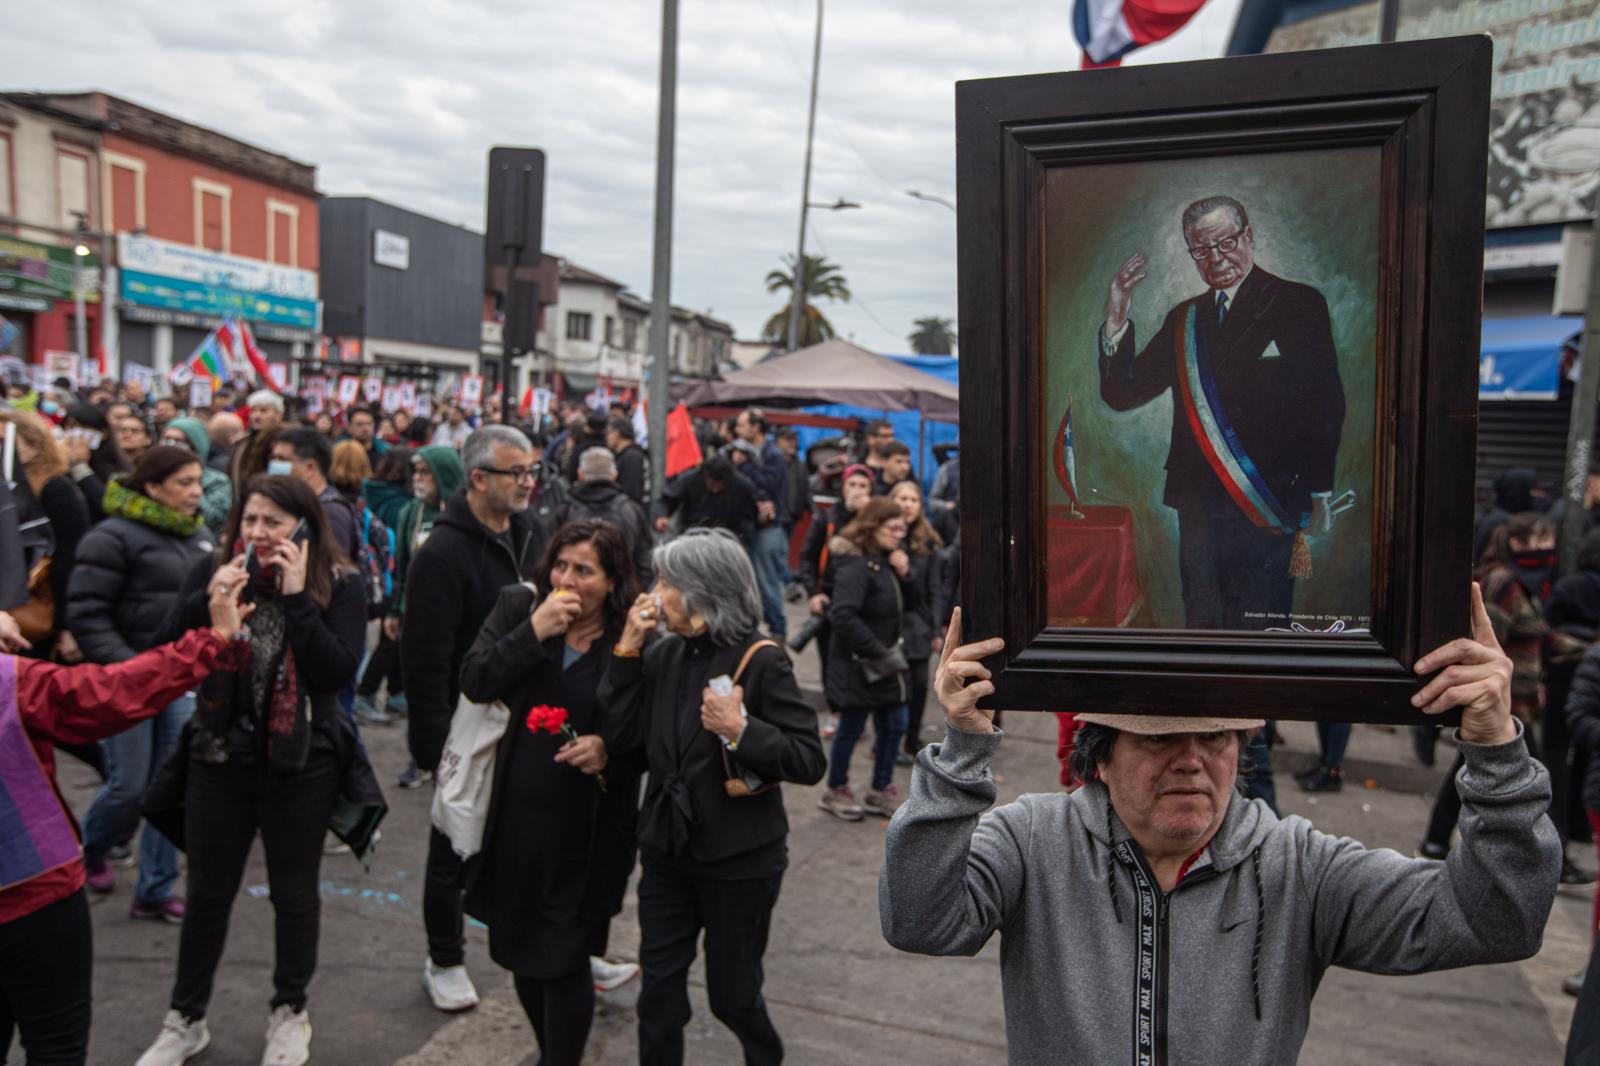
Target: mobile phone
x,y
301,533
252,567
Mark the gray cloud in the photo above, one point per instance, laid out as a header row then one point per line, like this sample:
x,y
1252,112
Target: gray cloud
x,y
402,101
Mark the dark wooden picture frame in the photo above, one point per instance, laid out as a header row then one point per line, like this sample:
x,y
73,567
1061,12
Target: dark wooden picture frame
x,y
1425,106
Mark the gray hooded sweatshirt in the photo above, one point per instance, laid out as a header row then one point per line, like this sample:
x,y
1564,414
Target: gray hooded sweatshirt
x,y
1098,965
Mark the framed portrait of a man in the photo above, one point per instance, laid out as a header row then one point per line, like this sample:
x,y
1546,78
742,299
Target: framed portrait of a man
x,y
1226,320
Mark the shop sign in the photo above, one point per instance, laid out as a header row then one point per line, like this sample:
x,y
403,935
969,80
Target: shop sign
x,y
42,270
391,249
176,277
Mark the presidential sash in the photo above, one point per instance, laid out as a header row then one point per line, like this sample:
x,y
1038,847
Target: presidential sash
x,y
1219,444
36,836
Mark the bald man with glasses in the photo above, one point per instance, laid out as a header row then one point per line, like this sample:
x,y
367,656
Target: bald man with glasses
x,y
1257,413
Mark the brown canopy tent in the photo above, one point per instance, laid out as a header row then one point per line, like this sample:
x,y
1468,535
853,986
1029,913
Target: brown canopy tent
x,y
834,371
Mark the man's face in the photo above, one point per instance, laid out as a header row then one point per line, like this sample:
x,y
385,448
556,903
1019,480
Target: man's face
x,y
744,428
457,416
423,484
1172,790
1225,249
789,446
896,468
166,410
614,440
507,494
135,392
879,438
264,417
361,427
117,412
301,468
132,437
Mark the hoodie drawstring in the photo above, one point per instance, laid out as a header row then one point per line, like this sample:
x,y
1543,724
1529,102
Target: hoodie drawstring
x,y
1111,869
1261,911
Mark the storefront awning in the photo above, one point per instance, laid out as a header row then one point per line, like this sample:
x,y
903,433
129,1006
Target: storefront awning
x,y
1520,358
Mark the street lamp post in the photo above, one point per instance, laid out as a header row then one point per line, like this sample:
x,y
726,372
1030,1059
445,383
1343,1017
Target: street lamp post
x,y
78,254
796,276
930,198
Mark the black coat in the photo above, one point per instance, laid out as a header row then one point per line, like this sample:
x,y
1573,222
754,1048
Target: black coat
x,y
125,585
508,662
451,587
865,622
1574,605
652,704
633,473
605,500
814,575
1286,409
1583,721
733,508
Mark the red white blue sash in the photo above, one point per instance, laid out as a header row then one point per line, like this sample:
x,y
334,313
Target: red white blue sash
x,y
1219,444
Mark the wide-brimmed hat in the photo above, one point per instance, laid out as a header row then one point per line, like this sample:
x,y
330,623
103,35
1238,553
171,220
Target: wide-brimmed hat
x,y
1155,725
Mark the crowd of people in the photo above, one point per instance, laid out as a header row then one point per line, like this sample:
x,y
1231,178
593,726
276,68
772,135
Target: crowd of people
x,y
209,606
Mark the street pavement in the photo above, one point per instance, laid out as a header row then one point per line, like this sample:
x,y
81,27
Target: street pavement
x,y
838,993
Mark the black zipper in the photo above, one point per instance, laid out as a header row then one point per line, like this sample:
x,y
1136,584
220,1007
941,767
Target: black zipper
x,y
1145,882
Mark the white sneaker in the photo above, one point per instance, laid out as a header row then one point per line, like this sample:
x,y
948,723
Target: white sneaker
x,y
449,987
610,976
288,1038
180,1040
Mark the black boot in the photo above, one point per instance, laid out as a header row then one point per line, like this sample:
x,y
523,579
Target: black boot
x,y
1326,779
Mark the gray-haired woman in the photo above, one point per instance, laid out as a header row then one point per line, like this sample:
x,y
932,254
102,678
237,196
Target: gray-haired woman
x,y
713,853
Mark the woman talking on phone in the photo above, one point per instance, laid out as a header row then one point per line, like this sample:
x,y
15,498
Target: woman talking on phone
x,y
267,751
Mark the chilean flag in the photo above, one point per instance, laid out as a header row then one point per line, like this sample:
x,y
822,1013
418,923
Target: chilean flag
x,y
1107,30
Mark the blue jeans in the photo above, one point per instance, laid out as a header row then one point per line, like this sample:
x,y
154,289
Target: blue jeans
x,y
1258,782
132,758
770,554
890,725
1333,738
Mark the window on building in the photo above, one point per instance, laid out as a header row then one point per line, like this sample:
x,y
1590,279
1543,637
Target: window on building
x,y
630,334
611,331
580,325
72,185
677,351
5,175
124,192
283,224
211,208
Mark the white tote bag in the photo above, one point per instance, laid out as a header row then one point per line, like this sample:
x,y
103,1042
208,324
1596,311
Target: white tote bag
x,y
466,773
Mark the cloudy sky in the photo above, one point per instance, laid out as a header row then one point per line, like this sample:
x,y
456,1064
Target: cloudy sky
x,y
401,101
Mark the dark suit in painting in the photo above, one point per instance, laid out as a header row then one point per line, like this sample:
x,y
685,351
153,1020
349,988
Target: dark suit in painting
x,y
1277,382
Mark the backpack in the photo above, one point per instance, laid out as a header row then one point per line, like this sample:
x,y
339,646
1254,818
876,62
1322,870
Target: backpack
x,y
375,561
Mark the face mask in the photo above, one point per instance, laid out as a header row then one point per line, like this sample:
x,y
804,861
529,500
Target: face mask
x,y
49,407
1534,560
280,468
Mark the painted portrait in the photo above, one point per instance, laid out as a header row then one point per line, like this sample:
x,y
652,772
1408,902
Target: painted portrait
x,y
1210,334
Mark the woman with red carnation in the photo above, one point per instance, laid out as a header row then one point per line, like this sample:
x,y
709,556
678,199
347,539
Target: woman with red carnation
x,y
559,840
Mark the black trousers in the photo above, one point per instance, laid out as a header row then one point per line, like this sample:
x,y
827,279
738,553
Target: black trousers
x,y
226,805
561,1011
916,704
46,961
442,886
736,916
383,666
1235,575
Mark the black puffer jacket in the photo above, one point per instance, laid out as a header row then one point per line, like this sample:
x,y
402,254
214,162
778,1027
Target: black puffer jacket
x,y
125,585
917,624
865,621
1583,721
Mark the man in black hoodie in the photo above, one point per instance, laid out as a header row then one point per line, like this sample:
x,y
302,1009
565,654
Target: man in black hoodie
x,y
477,547
633,462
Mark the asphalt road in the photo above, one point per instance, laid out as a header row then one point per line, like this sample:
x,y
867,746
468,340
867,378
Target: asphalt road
x,y
839,994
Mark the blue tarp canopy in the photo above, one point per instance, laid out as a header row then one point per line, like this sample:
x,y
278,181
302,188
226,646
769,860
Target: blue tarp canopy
x,y
905,423
1520,358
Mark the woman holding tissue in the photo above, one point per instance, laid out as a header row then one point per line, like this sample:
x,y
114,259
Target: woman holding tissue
x,y
560,835
712,832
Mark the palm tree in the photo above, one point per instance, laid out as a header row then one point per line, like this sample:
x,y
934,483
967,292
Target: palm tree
x,y
820,279
933,336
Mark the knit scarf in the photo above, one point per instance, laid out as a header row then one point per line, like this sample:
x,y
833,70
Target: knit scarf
x,y
253,700
124,502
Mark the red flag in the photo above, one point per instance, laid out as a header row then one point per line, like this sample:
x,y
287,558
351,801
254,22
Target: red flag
x,y
258,362
683,450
